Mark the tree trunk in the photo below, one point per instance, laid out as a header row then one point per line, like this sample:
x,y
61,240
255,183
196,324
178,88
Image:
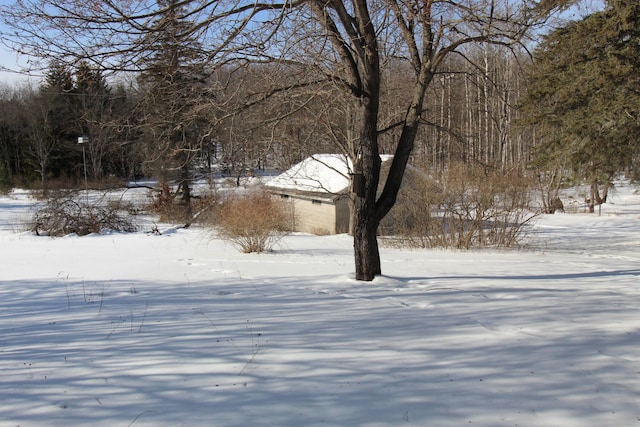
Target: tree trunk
x,y
365,226
593,190
366,220
185,185
365,245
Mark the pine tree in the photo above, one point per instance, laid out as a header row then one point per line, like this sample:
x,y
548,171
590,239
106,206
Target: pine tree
x,y
172,85
56,113
584,94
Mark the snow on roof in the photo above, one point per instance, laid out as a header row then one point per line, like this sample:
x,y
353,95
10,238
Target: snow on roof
x,y
320,173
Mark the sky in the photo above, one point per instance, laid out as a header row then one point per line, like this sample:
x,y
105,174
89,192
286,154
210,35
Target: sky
x,y
9,60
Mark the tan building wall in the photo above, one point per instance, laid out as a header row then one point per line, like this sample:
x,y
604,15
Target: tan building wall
x,y
317,215
343,215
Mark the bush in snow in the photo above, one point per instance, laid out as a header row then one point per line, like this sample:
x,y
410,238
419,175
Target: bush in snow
x,y
252,221
470,207
64,213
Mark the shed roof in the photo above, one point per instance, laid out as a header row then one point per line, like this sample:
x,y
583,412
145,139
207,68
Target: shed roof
x,y
320,173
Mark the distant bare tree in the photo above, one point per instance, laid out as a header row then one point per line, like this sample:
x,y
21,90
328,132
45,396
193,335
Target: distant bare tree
x,y
40,135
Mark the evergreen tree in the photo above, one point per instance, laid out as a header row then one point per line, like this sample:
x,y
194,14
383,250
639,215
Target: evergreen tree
x,y
12,127
172,85
53,123
584,94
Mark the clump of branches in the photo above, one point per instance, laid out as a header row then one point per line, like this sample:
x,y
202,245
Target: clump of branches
x,y
253,221
64,213
166,204
470,207
169,207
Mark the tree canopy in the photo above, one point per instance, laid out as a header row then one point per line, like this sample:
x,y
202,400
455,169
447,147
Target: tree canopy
x,y
584,92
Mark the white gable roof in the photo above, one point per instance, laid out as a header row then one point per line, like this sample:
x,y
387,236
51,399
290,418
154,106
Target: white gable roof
x,y
320,173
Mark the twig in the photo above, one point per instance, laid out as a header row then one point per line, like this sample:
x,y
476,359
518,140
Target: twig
x,y
66,288
101,300
254,353
114,328
139,415
144,316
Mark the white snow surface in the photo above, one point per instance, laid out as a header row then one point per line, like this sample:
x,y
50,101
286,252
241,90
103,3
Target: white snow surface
x,y
181,329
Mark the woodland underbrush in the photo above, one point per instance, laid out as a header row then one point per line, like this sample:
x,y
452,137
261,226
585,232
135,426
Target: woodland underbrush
x,y
467,207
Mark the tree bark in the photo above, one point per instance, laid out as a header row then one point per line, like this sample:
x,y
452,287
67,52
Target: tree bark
x,y
365,247
366,221
365,240
185,185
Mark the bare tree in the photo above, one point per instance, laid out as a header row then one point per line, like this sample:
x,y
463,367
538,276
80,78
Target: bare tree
x,y
94,102
425,33
348,43
40,135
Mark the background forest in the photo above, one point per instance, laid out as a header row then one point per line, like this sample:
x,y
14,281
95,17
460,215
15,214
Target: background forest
x,y
168,111
471,119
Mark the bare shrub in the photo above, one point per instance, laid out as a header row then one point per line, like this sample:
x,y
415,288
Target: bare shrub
x,y
413,221
169,206
63,213
164,203
320,231
470,207
204,204
252,221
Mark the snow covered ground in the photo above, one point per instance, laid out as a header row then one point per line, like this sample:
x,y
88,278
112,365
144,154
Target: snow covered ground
x,y
183,330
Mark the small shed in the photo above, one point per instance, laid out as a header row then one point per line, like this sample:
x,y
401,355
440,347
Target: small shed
x,y
317,193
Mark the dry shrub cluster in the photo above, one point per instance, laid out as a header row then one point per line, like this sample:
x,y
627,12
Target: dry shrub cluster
x,y
253,221
469,207
170,207
64,213
167,206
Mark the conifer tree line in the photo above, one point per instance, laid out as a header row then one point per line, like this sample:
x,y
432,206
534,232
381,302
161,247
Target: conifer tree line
x,y
40,127
583,98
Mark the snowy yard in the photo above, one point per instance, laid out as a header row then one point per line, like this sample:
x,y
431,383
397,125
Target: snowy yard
x,y
183,330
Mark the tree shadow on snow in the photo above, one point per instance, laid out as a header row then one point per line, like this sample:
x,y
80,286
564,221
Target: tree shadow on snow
x,y
279,352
